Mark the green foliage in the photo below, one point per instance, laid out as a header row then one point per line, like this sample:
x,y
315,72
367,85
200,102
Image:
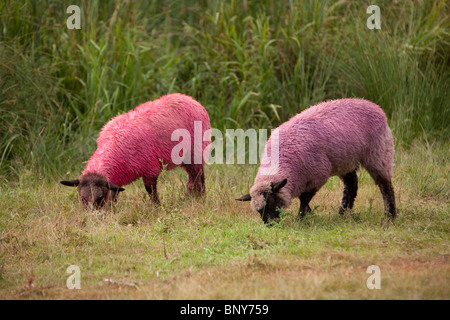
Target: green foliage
x,y
250,63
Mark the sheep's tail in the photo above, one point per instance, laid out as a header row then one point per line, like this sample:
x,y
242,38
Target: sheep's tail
x,y
379,160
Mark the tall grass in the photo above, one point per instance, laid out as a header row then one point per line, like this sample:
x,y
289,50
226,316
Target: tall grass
x,y
250,63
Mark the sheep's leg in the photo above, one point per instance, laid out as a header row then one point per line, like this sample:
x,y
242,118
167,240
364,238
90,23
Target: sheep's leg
x,y
196,183
387,190
350,181
379,162
305,198
150,186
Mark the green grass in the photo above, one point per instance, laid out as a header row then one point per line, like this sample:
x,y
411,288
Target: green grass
x,y
217,248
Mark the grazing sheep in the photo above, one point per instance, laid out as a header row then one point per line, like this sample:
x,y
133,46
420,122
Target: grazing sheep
x,y
332,138
138,144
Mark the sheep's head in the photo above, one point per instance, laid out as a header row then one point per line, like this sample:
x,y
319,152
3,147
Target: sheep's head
x,y
266,199
94,190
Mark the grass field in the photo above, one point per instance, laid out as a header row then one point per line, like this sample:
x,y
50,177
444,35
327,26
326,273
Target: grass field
x,y
252,64
217,248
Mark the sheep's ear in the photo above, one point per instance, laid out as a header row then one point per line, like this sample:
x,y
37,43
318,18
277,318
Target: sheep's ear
x,y
278,185
247,197
112,186
70,183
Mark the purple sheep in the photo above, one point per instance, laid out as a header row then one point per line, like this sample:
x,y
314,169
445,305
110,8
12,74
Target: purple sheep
x,y
138,144
332,138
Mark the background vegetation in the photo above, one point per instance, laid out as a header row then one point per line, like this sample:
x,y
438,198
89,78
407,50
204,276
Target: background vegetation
x,y
252,64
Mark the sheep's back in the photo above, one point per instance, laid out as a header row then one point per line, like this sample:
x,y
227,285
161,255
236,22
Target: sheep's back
x,y
339,131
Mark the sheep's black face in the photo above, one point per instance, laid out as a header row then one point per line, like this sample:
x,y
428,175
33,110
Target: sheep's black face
x,y
94,191
271,211
270,201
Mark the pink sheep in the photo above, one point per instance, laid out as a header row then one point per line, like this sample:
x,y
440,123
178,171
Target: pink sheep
x,y
332,138
138,144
